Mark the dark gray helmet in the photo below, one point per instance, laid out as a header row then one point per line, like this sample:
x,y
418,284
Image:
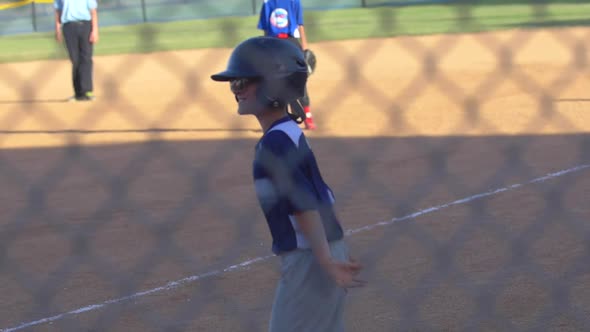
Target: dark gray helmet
x,y
279,65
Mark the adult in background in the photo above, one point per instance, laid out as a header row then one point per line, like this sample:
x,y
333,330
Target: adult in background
x,y
284,19
76,22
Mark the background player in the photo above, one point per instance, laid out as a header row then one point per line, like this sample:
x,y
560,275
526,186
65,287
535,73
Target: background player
x,y
78,21
284,19
265,75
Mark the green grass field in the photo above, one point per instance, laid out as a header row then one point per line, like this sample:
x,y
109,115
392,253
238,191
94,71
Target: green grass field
x,y
356,23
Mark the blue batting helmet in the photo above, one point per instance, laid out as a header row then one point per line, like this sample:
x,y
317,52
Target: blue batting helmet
x,y
279,65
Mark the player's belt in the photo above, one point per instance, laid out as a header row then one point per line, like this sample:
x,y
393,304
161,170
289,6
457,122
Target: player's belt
x,y
77,22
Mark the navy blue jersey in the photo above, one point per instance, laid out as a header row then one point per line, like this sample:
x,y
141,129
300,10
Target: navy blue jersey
x,y
280,17
288,180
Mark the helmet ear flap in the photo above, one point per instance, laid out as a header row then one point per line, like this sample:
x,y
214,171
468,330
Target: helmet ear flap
x,y
267,96
281,91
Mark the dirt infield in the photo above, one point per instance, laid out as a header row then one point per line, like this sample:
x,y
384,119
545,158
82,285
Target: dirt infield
x,y
151,183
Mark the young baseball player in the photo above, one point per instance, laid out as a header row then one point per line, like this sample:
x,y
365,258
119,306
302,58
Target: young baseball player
x,y
266,74
284,19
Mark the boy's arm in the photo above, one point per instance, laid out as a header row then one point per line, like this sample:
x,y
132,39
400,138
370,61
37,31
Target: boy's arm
x,y
343,273
300,27
303,37
313,229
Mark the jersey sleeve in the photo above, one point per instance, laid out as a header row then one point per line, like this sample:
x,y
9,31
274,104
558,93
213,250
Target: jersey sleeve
x,y
263,19
92,4
58,4
299,12
284,168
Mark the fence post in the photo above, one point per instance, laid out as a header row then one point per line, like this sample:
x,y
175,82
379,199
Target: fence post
x,y
143,12
254,7
363,3
34,16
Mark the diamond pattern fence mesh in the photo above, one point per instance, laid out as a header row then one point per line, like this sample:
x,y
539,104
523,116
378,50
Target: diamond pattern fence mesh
x,y
460,164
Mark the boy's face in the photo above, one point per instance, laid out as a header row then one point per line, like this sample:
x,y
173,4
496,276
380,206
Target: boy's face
x,y
245,92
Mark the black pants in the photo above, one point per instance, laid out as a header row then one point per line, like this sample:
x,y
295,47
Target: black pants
x,y
76,35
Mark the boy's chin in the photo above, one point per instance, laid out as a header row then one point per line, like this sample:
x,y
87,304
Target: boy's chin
x,y
242,111
247,110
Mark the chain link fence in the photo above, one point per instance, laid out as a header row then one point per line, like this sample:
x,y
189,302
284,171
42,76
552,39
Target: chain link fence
x,y
460,165
26,16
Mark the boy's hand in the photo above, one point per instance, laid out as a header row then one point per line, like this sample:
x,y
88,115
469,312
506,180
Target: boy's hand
x,y
344,273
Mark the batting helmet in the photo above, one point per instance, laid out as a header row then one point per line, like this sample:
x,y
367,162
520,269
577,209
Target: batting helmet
x,y
278,65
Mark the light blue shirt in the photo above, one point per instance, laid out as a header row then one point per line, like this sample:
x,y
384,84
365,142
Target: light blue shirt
x,y
75,10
